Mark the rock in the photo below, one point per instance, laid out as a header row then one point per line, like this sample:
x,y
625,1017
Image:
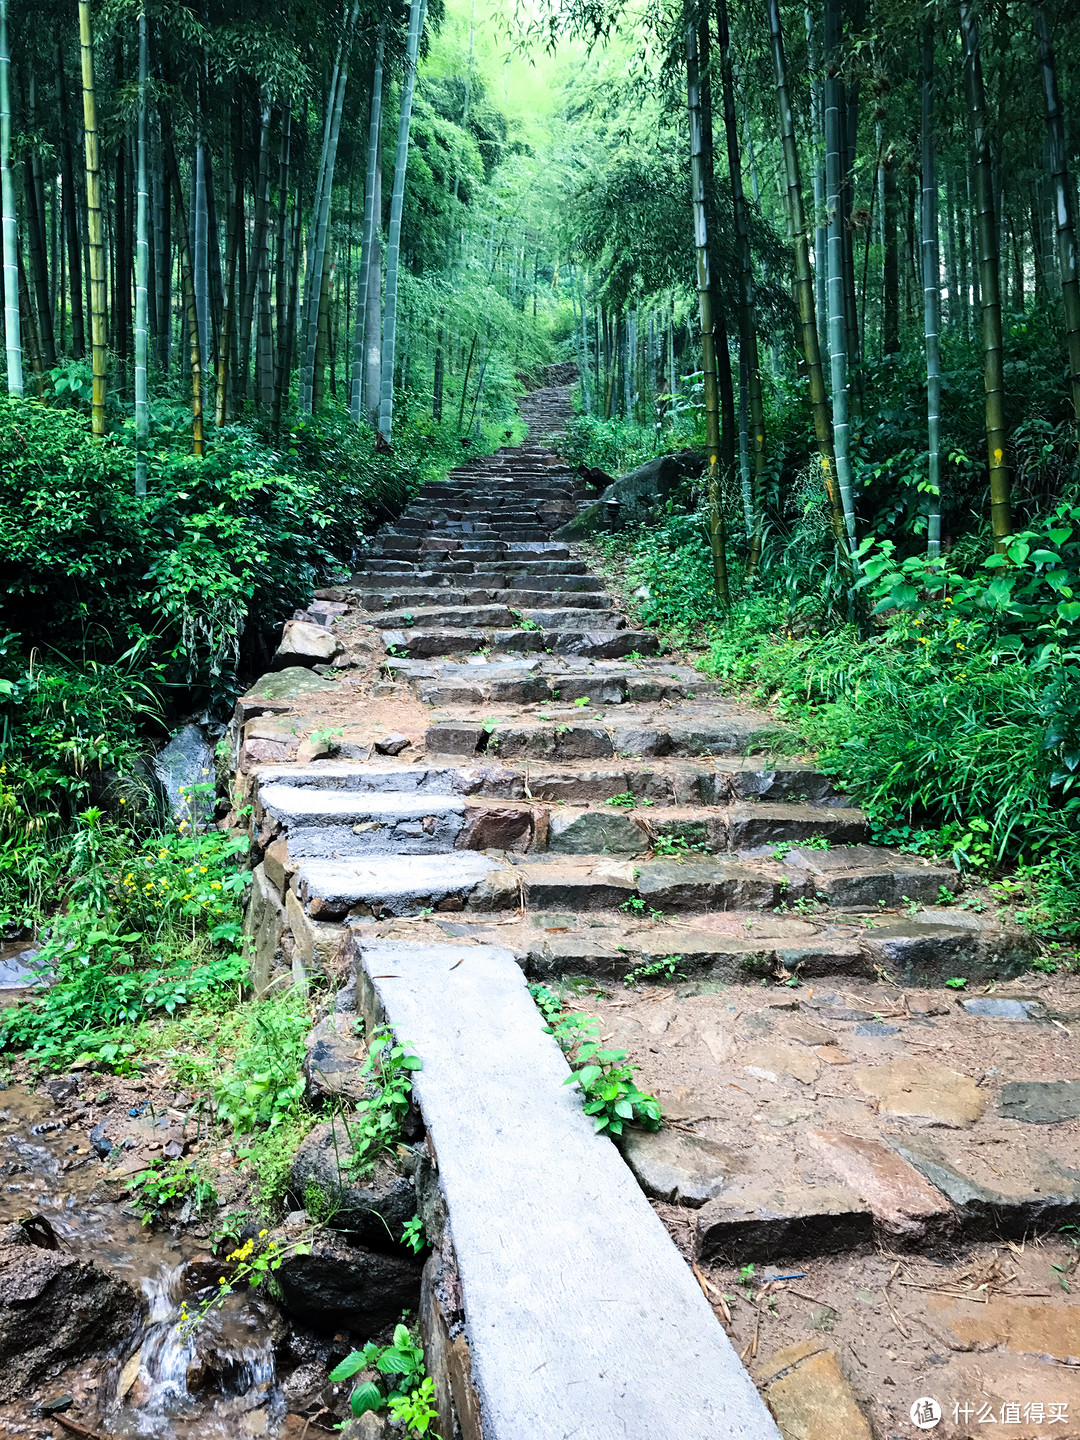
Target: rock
x,y
911,1086
64,1087
342,1285
876,1029
768,1062
1017,1325
19,974
992,1008
592,833
1021,1191
806,1032
763,1222
508,828
305,644
903,1202
57,1405
374,1207
288,684
809,1397
392,744
303,1390
1041,1102
678,1167
56,1309
186,763
332,1063
264,925
369,1427
309,750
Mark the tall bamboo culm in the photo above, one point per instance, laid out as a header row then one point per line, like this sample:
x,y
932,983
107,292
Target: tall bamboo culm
x,y
837,300
142,267
1064,209
12,329
704,289
931,268
417,13
750,368
804,285
94,234
356,395
989,283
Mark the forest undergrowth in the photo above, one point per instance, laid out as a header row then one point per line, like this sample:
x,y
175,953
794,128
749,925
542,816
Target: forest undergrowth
x,y
943,695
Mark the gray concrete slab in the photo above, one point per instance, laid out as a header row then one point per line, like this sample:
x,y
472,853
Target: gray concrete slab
x,y
583,1320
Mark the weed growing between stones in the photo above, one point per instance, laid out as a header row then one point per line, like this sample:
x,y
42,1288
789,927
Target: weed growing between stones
x,y
166,1182
374,1128
398,1383
604,1077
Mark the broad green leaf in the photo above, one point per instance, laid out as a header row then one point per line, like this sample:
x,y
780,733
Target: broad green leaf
x,y
366,1397
348,1367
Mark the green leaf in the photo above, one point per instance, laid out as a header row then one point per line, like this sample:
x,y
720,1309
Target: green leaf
x,y
366,1397
348,1367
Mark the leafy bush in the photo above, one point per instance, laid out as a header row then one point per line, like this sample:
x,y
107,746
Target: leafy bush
x,y
120,951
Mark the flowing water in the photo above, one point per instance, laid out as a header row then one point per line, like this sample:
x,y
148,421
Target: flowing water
x,y
219,1380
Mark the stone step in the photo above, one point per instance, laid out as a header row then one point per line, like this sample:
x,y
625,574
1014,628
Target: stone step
x,y
598,643
679,783
925,950
471,685
340,824
624,733
857,879
332,888
419,602
604,1331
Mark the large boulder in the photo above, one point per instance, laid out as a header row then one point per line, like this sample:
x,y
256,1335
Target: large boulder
x,y
637,495
305,644
55,1310
373,1207
338,1284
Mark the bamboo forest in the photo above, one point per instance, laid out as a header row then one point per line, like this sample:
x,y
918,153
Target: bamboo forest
x,y
540,719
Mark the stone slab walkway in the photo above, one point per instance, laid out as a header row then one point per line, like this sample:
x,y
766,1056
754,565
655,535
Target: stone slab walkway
x,y
582,1319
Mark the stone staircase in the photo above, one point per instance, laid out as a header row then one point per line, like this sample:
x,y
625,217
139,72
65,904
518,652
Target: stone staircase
x,y
567,802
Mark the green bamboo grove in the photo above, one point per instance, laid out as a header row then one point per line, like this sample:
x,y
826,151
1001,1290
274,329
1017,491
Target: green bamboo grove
x,y
269,211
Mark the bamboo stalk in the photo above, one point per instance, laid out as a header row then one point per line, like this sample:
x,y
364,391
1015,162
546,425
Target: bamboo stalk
x,y
1064,208
142,268
804,286
356,397
989,286
95,240
705,315
931,295
12,325
417,13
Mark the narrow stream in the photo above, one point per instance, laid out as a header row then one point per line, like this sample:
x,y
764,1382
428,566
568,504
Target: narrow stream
x,y
220,1381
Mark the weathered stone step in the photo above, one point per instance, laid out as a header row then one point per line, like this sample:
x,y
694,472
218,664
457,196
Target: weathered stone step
x,y
619,734
333,888
419,602
339,824
719,781
926,950
471,685
403,885
581,1318
598,643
